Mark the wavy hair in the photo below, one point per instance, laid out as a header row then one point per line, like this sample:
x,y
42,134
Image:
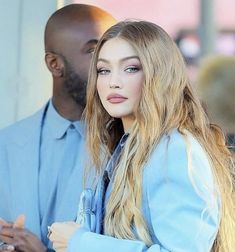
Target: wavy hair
x,y
167,102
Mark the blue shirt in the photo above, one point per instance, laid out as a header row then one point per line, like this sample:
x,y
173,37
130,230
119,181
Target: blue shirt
x,y
111,167
55,171
177,217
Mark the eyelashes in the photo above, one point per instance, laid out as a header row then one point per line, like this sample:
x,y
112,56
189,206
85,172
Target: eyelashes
x,y
103,71
129,69
132,69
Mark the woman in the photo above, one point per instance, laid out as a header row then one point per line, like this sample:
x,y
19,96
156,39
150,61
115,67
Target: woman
x,y
167,185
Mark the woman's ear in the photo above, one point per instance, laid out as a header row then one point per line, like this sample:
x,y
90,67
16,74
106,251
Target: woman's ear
x,y
55,64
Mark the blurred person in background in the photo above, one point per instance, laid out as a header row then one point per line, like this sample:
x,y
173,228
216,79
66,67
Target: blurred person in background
x,y
41,160
216,87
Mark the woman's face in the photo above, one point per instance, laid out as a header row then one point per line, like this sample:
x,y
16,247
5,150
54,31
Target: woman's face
x,y
120,80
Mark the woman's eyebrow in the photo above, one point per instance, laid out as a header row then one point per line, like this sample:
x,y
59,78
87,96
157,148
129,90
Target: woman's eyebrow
x,y
123,59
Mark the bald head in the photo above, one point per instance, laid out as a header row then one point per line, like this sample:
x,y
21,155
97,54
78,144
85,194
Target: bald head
x,y
74,16
71,35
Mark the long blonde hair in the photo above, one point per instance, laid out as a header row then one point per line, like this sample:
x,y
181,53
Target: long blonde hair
x,y
167,102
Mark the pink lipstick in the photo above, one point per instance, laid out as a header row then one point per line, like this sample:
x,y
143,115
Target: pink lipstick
x,y
116,98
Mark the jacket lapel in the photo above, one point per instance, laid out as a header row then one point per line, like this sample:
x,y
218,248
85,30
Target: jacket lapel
x,y
24,166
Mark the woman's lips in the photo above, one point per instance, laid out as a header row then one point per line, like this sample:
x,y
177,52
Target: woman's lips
x,y
115,98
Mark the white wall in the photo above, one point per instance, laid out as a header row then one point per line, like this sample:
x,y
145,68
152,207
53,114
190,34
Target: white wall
x,y
25,83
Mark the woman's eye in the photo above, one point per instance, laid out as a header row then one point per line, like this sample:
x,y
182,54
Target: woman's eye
x,y
103,71
132,69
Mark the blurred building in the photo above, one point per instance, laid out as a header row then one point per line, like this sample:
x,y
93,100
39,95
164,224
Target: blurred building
x,y
25,84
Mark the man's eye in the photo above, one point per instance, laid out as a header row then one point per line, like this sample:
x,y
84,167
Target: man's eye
x,y
91,50
132,69
103,71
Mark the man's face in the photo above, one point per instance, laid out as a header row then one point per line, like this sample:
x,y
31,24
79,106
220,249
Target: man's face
x,y
74,84
78,46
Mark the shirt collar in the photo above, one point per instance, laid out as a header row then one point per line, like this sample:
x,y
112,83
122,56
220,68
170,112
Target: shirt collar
x,y
58,125
123,139
80,127
116,154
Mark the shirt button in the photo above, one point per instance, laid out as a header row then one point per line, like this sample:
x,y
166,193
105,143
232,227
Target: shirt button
x,y
71,126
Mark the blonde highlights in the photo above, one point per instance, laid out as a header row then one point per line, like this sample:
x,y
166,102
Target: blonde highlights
x,y
167,102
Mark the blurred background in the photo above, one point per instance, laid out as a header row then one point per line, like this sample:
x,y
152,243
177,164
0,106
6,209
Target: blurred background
x,y
201,28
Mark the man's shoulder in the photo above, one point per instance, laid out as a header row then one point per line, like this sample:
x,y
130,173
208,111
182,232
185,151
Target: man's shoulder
x,y
24,125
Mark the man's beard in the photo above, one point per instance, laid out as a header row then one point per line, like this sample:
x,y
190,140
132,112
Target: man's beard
x,y
75,85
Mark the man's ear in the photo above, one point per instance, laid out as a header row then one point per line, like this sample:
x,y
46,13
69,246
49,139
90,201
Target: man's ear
x,y
55,64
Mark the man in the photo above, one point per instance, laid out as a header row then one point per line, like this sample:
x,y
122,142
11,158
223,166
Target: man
x,y
39,174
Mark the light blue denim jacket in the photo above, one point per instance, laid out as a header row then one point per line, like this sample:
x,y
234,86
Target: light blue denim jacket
x,y
179,206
